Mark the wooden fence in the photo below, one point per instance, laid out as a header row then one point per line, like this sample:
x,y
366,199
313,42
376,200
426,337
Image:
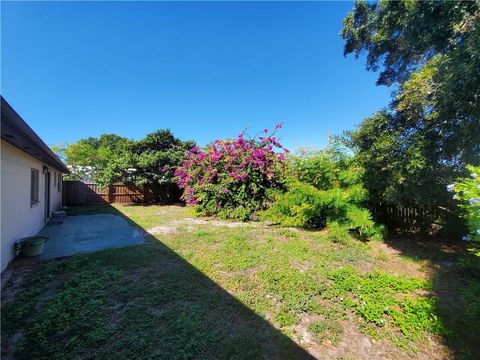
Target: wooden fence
x,y
402,217
81,193
416,217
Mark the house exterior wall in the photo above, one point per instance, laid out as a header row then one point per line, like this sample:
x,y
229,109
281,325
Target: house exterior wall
x,y
18,217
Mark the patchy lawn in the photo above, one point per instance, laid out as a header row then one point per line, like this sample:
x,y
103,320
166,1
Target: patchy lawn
x,y
203,288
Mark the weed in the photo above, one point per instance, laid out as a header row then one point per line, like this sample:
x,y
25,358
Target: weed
x,y
324,330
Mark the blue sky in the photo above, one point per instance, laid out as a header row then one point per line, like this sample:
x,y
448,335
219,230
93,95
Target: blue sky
x,y
205,70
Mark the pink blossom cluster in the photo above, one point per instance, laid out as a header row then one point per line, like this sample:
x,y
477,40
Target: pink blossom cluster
x,y
227,165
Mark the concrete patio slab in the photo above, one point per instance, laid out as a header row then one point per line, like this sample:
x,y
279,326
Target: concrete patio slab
x,y
88,233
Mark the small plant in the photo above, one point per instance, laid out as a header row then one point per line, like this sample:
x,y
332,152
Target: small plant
x,y
233,178
330,330
467,191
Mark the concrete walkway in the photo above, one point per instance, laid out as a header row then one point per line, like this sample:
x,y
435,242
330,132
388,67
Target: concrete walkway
x,y
88,233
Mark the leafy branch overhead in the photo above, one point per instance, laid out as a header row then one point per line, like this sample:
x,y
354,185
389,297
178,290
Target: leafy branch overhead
x,y
430,53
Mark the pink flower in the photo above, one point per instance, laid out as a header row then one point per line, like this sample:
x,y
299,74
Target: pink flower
x,y
225,165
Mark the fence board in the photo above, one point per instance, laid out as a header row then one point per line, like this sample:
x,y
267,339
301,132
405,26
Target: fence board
x,y
414,217
81,193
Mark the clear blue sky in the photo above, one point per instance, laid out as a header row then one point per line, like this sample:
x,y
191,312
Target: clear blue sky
x,y
204,70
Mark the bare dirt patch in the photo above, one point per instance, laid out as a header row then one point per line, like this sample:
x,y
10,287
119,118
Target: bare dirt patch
x,y
193,224
394,264
355,345
15,276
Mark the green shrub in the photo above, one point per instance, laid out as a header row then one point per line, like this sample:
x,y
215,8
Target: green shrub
x,y
337,232
232,178
325,169
325,188
301,206
467,191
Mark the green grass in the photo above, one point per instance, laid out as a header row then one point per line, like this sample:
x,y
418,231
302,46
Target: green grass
x,y
212,291
326,330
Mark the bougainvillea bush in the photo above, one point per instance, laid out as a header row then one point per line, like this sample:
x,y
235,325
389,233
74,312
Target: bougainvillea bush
x,y
325,189
467,191
233,178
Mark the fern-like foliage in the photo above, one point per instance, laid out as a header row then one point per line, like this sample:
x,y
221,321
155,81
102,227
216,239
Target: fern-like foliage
x,y
325,189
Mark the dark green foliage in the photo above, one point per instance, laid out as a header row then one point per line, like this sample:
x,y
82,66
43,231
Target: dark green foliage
x,y
156,157
400,37
430,51
149,162
472,296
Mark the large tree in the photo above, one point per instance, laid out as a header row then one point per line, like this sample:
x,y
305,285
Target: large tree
x,y
155,158
149,162
88,157
429,52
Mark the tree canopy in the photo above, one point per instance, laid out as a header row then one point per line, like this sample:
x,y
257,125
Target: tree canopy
x,y
112,158
89,154
429,52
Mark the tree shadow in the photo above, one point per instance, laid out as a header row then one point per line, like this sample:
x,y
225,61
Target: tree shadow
x,y
455,277
163,307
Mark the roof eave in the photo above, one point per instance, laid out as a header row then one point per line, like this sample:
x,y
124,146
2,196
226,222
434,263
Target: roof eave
x,y
18,133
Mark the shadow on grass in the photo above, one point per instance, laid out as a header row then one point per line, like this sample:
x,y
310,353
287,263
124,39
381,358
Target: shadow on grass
x,y
456,284
137,302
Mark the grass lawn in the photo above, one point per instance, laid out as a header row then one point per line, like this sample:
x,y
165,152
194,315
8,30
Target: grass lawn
x,y
201,288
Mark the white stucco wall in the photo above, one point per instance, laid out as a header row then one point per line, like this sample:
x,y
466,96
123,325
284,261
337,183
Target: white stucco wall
x,y
18,218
